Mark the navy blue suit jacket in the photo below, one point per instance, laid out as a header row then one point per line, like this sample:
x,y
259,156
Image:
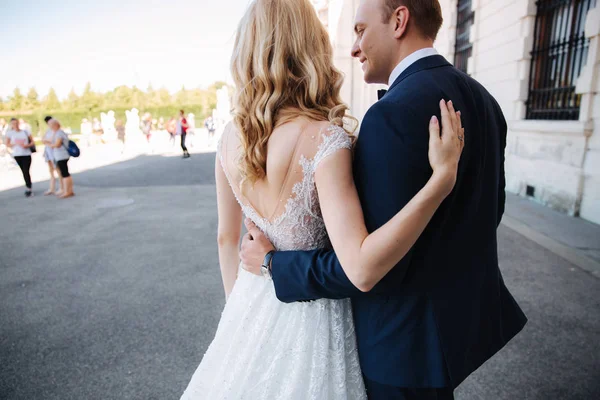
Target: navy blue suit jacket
x,y
444,309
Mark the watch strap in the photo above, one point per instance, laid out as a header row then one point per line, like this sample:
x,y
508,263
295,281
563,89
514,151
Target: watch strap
x,y
267,260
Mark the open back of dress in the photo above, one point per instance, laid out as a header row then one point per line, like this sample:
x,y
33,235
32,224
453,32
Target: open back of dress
x,y
285,204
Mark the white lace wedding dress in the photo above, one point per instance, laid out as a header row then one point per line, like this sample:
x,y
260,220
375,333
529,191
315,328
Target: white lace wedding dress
x,y
266,349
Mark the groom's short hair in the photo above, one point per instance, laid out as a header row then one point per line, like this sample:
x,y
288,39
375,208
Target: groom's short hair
x,y
426,14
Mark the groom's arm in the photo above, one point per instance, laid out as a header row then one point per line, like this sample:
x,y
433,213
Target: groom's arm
x,y
310,275
297,275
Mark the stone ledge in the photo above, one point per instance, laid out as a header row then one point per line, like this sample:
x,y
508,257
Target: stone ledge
x,y
583,128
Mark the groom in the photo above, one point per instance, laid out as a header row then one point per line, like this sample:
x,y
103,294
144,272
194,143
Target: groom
x,y
444,309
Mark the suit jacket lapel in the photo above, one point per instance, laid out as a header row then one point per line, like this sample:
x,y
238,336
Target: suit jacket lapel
x,y
420,65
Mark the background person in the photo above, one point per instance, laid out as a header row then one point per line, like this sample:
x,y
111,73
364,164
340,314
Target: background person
x,y
20,142
48,140
86,131
61,156
172,129
182,127
120,127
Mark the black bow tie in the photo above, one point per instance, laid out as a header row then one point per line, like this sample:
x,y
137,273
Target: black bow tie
x,y
381,93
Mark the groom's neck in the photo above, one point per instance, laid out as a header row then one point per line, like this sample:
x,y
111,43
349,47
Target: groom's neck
x,y
409,46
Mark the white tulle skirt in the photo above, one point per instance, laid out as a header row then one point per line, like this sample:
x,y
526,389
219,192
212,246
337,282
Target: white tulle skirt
x,y
266,349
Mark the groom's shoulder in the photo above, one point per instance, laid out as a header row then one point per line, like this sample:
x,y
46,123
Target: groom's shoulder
x,y
388,109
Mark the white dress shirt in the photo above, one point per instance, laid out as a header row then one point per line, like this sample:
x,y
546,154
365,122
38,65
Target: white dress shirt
x,y
409,60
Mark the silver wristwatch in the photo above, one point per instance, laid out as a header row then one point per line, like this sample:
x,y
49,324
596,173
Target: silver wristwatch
x,y
265,268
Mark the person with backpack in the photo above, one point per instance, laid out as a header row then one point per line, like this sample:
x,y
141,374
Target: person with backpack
x,y
22,145
48,139
61,157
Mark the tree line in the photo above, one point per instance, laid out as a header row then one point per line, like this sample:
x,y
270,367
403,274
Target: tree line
x,y
119,98
71,110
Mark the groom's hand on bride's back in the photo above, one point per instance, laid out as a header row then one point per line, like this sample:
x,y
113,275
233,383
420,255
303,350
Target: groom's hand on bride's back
x,y
255,247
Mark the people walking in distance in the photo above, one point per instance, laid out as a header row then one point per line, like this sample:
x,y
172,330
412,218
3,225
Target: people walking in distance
x,y
97,130
48,140
120,127
209,124
182,127
20,142
171,127
3,127
146,127
86,131
61,156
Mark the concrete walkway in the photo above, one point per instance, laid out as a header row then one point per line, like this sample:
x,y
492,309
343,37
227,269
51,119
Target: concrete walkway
x,y
116,293
574,239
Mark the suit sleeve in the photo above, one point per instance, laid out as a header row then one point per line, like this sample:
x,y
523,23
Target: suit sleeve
x,y
310,275
391,165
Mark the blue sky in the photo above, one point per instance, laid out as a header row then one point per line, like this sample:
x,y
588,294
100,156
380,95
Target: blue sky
x,y
65,43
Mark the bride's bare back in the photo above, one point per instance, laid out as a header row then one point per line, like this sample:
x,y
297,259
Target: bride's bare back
x,y
284,204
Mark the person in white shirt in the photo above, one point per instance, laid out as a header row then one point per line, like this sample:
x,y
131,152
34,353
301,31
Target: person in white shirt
x,y
20,142
48,140
3,126
86,131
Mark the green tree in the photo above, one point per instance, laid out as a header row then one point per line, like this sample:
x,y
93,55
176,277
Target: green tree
x,y
89,99
217,85
122,97
73,101
51,101
16,100
182,97
163,97
152,97
32,102
138,98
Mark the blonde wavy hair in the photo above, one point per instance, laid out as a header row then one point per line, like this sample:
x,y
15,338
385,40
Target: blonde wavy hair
x,y
282,66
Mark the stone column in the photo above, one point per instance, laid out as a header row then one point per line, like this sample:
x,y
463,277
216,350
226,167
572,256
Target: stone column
x,y
588,85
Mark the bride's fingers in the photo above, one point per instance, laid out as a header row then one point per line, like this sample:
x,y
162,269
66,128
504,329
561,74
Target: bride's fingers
x,y
452,118
461,131
434,131
446,119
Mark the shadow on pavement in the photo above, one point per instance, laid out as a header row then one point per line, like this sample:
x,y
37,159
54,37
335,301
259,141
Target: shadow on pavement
x,y
141,171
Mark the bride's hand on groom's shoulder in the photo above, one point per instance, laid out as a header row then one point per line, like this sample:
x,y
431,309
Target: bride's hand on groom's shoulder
x,y
445,149
255,247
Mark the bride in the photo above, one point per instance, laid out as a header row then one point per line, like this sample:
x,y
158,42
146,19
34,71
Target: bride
x,y
288,119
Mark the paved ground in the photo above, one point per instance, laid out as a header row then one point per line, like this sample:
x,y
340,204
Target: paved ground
x,y
116,293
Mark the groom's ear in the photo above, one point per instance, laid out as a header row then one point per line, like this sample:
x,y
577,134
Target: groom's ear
x,y
400,18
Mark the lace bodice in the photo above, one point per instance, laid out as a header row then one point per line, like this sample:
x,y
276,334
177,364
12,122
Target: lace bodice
x,y
300,226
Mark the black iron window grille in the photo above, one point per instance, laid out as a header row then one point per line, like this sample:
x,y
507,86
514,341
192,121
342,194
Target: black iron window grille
x,y
559,53
463,48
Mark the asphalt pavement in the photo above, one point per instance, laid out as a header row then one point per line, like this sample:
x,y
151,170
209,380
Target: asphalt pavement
x,y
116,293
